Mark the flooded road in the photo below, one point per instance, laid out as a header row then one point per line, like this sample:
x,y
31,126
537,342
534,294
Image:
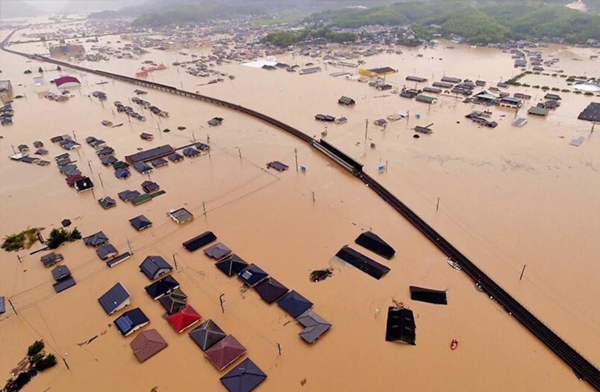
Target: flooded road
x,y
508,197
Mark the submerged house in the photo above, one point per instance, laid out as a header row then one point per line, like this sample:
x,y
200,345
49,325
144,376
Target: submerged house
x,y
231,265
115,299
207,335
186,318
191,152
426,99
84,184
537,111
346,101
150,187
50,259
162,287
199,241
154,267
294,303
131,321
174,301
181,215
244,377
314,326
147,344
400,326
270,290
142,167
96,239
107,202
217,251
106,251
225,352
252,275
140,222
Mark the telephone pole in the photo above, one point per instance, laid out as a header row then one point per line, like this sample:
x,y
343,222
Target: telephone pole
x,y
296,155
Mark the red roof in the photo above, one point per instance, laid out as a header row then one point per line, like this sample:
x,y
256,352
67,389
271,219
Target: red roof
x,y
69,80
73,179
147,344
225,352
184,319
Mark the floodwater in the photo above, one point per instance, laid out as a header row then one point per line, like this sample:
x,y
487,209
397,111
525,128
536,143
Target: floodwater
x,y
508,197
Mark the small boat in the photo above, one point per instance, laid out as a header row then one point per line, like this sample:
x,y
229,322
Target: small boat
x,y
453,344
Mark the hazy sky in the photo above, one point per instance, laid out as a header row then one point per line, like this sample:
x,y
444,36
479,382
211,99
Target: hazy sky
x,y
48,5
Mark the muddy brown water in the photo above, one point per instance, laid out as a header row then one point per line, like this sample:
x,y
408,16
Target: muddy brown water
x,y
508,197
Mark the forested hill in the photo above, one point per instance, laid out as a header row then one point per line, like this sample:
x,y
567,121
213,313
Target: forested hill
x,y
479,23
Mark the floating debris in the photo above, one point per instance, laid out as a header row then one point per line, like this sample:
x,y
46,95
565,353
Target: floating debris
x,y
320,275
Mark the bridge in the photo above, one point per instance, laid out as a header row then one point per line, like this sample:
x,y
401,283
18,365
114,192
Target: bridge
x,y
583,368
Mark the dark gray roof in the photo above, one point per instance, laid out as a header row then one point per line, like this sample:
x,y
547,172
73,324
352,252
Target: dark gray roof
x,y
150,154
199,241
130,321
140,222
162,287
96,239
191,152
252,275
375,244
315,326
64,284
244,377
217,251
231,265
277,166
51,258
400,326
142,167
107,202
150,186
128,195
175,157
294,303
174,301
105,251
155,266
2,305
207,335
270,290
61,272
113,298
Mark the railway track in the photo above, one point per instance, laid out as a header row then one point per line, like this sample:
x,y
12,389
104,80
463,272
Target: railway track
x,y
583,368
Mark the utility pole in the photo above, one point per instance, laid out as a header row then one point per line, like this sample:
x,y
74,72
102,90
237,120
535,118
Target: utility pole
x,y
90,166
313,196
19,258
279,348
366,128
12,306
175,261
129,246
437,207
296,155
240,153
101,182
222,302
522,272
204,207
